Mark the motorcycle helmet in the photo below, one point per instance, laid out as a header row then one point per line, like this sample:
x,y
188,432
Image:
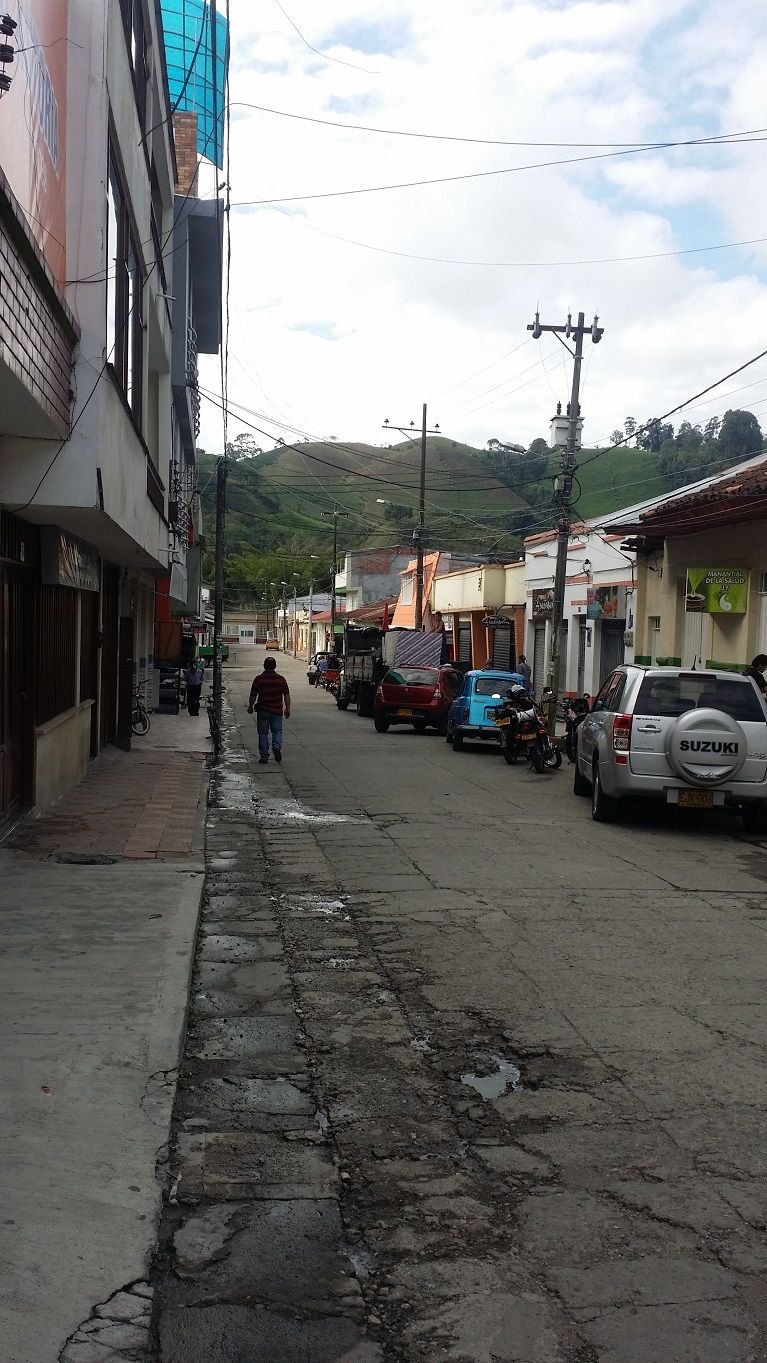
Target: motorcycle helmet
x,y
517,693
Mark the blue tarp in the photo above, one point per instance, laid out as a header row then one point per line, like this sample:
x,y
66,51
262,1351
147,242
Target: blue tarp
x,y
195,87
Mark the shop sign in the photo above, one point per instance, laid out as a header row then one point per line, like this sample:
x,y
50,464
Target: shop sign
x,y
65,562
718,591
543,603
496,622
602,603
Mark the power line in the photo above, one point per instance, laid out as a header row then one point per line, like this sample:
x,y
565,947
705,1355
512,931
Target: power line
x,y
484,174
485,141
325,55
513,264
673,410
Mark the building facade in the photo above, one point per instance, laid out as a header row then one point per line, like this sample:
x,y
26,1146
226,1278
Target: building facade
x,y
370,575
600,607
483,609
702,572
91,453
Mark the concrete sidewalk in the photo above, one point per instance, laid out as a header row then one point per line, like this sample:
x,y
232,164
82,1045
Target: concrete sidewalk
x,y
95,962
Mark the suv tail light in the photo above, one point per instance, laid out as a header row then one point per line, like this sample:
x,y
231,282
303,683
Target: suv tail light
x,y
621,733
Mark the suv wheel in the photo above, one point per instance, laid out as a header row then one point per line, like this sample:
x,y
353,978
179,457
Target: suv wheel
x,y
457,741
381,724
755,817
604,809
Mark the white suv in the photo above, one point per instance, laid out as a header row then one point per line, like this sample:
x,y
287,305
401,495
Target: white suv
x,y
697,740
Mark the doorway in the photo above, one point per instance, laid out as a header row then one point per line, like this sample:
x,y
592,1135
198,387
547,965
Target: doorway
x,y
612,652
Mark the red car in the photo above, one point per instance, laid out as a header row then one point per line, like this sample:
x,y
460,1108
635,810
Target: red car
x,y
420,696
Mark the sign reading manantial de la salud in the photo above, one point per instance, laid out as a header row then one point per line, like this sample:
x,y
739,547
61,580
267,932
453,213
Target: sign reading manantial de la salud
x,y
717,591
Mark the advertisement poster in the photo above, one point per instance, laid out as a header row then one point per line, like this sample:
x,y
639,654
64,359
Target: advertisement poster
x,y
33,122
602,603
717,591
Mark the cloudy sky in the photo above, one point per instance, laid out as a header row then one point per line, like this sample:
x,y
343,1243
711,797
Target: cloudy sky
x,y
345,310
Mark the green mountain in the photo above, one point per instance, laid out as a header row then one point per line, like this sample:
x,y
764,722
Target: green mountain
x,y
477,501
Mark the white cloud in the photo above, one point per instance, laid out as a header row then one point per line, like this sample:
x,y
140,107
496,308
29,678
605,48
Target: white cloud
x,y
334,337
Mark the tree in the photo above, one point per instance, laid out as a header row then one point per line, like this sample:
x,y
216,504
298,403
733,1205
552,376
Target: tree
x,y
629,426
740,435
616,436
712,428
244,446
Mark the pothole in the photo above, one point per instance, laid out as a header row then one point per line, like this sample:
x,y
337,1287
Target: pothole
x,y
85,859
505,1076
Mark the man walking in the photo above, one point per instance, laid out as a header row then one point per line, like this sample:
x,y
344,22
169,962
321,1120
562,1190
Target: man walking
x,y
523,668
267,694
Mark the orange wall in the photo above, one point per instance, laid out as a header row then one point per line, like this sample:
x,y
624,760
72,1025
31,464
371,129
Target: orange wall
x,y
33,124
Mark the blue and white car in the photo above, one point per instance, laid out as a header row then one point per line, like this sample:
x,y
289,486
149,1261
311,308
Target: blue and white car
x,y
471,714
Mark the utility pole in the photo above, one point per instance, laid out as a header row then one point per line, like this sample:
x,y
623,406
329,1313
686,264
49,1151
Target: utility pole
x,y
218,594
563,486
311,612
420,530
335,513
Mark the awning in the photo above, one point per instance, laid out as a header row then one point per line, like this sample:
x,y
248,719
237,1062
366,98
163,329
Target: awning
x,y
195,86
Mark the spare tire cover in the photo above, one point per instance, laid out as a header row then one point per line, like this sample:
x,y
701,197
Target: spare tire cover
x,y
706,747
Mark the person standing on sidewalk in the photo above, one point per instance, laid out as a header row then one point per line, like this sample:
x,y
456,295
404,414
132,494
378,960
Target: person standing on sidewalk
x,y
267,695
524,670
194,676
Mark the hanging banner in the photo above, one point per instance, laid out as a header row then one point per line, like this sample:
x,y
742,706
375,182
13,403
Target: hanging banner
x,y
717,591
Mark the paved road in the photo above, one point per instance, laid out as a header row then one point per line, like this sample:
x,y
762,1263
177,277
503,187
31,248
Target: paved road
x,y
536,1049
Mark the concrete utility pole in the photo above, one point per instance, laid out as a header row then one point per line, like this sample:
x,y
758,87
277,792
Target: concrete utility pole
x,y
563,486
335,513
218,593
311,612
419,533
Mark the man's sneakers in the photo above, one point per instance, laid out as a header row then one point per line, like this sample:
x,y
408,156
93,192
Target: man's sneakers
x,y
262,761
277,755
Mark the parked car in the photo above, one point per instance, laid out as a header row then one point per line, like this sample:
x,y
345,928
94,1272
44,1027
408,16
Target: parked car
x,y
420,696
471,714
695,740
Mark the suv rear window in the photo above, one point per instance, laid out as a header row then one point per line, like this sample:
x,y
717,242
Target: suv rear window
x,y
674,696
411,676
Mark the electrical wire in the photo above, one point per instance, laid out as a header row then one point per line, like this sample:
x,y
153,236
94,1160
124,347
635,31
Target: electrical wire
x,y
481,174
325,55
489,141
516,264
673,410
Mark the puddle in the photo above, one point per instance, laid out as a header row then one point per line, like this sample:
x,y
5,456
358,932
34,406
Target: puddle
x,y
315,904
323,1121
272,808
506,1076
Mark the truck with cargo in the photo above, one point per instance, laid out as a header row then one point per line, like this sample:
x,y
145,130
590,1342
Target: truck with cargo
x,y
368,654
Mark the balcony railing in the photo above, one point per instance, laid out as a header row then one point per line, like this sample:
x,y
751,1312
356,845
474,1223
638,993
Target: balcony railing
x,y
191,375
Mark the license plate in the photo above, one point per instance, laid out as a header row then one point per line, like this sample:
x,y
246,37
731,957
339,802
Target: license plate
x,y
503,722
696,799
526,738
404,712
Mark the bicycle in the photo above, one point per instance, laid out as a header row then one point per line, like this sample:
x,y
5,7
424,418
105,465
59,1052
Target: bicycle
x,y
139,719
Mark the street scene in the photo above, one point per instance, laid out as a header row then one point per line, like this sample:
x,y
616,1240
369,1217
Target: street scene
x,y
383,682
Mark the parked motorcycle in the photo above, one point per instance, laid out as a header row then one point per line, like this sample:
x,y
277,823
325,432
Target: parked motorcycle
x,y
524,733
575,713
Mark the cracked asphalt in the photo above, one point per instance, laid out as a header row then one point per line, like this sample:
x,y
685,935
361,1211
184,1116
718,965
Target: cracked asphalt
x,y
468,1077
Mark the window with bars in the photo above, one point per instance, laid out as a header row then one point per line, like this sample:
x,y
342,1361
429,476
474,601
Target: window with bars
x,y
125,296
